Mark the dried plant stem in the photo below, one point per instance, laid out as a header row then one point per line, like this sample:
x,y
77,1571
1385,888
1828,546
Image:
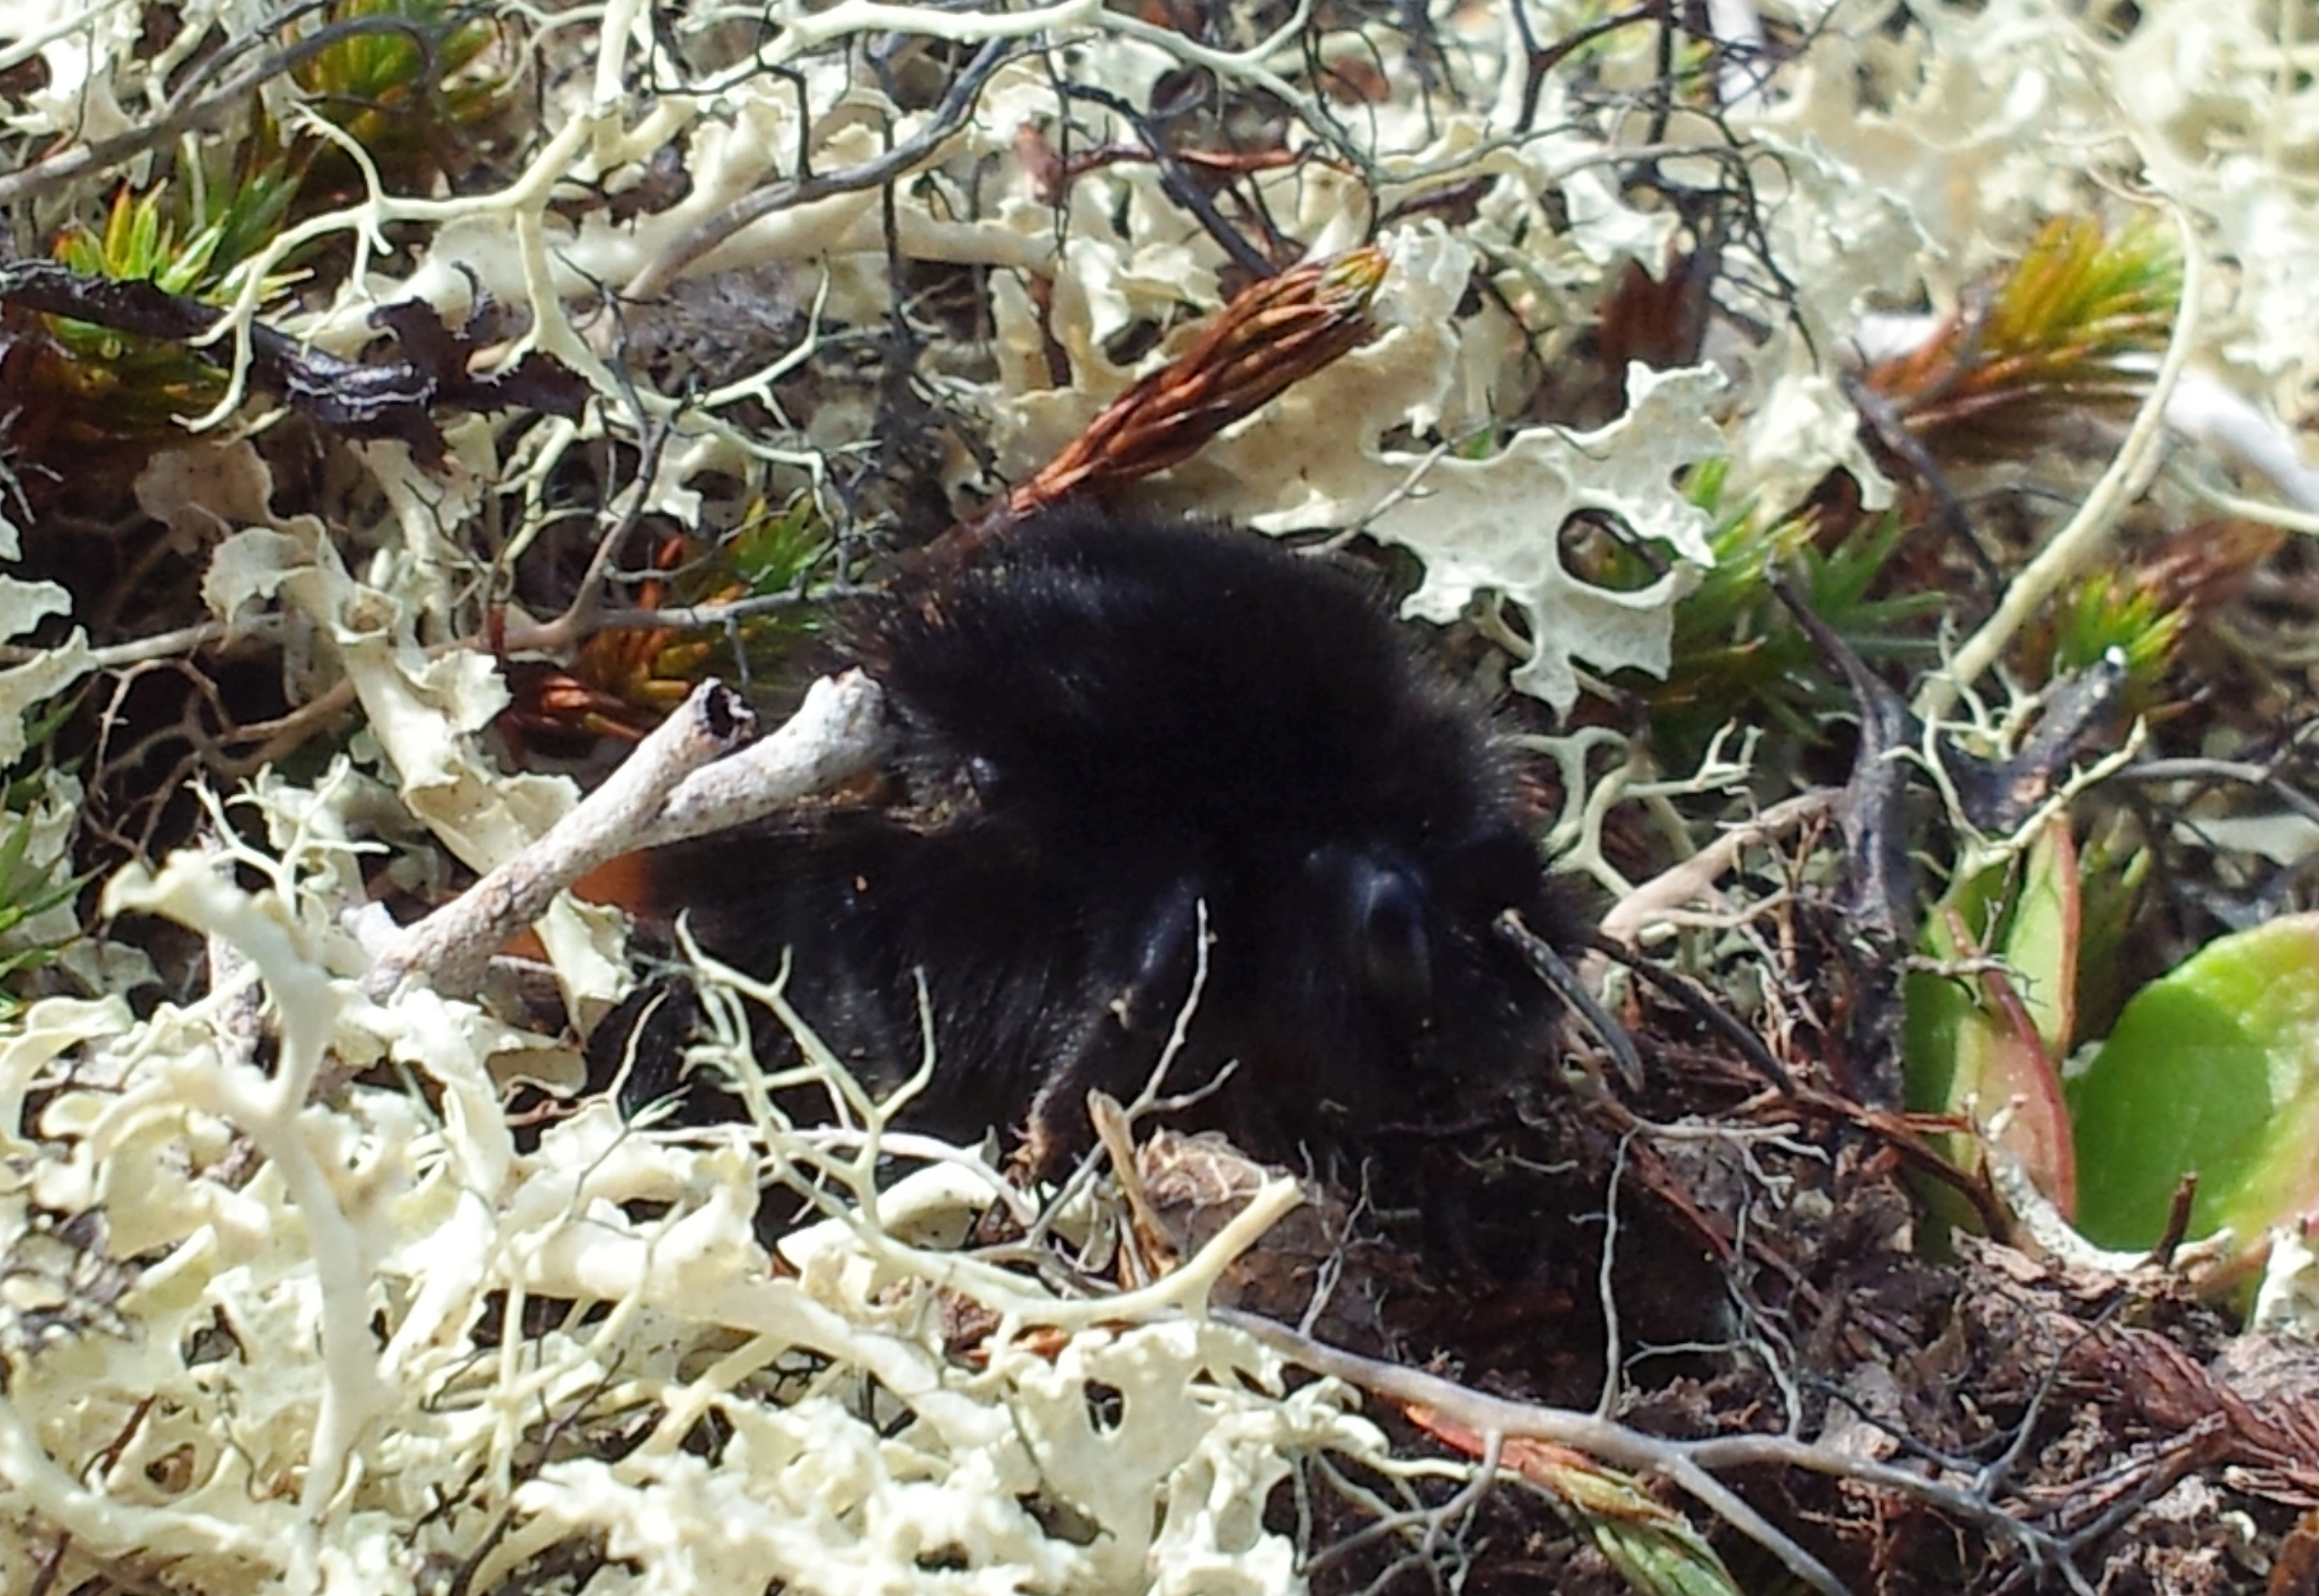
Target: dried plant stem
x,y
1686,1463
2075,545
160,645
1599,1437
837,733
453,946
1633,916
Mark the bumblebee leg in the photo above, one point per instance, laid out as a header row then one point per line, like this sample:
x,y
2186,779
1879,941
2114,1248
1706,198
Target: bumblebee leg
x,y
1115,1046
1167,953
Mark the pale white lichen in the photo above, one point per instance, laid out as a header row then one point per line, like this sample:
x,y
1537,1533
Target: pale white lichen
x,y
26,685
313,1372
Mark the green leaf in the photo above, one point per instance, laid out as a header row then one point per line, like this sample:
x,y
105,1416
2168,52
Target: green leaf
x,y
2213,1070
2040,942
2115,863
1986,1029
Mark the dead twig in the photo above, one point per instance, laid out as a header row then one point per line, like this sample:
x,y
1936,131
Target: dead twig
x,y
1690,1464
673,786
838,731
367,398
804,187
1632,916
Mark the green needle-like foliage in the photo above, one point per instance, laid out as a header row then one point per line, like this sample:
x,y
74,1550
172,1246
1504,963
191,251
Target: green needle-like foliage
x,y
30,886
775,551
2062,330
402,77
1738,654
27,890
2111,610
101,384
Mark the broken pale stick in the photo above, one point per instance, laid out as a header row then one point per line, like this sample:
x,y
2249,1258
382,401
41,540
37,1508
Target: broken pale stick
x,y
673,786
1634,916
836,734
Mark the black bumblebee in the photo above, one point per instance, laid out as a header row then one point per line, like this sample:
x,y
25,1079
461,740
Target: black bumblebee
x,y
1110,730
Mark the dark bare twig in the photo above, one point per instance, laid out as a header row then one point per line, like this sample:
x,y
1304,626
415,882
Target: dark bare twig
x,y
505,1520
1690,1464
190,110
948,117
1176,179
1697,1001
1880,877
1614,1444
1543,61
2211,770
360,398
715,616
1885,423
583,617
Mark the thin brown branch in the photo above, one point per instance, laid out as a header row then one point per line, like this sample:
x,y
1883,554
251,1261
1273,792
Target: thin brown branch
x,y
1690,1464
190,110
948,117
1601,1438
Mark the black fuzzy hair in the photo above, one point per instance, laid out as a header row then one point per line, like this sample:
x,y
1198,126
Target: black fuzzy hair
x,y
1105,724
